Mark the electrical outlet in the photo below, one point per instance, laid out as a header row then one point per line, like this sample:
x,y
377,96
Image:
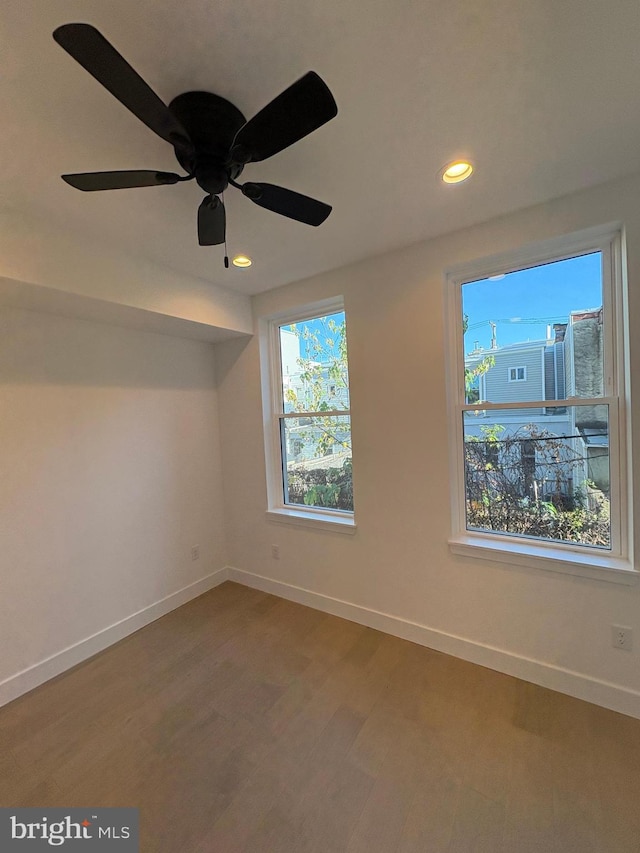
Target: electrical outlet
x,y
195,552
275,552
621,637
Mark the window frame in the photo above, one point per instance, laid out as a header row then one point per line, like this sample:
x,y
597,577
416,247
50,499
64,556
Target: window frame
x,y
341,521
615,564
521,367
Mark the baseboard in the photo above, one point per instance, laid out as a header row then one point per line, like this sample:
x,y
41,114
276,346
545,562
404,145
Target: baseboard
x,y
579,685
22,682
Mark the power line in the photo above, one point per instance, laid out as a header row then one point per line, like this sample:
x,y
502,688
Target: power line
x,y
520,321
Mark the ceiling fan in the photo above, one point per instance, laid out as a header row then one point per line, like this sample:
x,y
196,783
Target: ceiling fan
x,y
212,139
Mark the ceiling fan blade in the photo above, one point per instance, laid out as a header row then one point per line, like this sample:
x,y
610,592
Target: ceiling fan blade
x,y
211,221
299,110
286,202
91,49
92,181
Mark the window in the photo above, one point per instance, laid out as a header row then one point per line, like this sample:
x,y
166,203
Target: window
x,y
307,416
539,469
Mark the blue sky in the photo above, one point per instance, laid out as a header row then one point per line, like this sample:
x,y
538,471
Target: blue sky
x,y
318,327
524,302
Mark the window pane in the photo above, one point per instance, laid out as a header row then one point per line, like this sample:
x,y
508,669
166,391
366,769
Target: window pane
x,y
313,355
535,334
316,455
544,479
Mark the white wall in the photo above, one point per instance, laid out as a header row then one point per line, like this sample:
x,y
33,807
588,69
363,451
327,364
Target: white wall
x,y
44,265
547,627
109,473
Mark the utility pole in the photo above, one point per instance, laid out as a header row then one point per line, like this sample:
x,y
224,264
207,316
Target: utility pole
x,y
494,342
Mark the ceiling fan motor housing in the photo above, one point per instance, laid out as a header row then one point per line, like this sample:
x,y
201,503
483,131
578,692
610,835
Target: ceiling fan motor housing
x,y
212,123
211,139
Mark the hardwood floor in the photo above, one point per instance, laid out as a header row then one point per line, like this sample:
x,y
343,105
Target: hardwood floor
x,y
243,723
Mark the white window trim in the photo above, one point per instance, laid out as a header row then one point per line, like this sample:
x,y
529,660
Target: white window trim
x,y
521,367
615,565
336,521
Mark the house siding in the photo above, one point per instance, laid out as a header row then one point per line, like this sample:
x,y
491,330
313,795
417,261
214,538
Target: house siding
x,y
498,389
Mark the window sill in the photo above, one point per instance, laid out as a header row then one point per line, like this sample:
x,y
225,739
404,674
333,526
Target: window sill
x,y
550,558
333,523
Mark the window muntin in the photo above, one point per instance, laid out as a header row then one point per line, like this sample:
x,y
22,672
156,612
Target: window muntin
x,y
312,421
590,400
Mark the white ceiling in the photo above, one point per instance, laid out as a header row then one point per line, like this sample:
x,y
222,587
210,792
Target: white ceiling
x,y
542,95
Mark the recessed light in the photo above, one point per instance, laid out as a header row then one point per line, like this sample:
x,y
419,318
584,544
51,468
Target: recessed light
x,y
498,277
242,261
456,172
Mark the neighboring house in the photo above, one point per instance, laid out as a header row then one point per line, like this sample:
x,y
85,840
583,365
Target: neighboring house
x,y
567,363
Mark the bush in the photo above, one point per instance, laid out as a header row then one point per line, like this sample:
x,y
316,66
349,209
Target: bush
x,y
543,521
330,488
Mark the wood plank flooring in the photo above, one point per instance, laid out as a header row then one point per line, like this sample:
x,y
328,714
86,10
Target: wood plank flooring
x,y
244,723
